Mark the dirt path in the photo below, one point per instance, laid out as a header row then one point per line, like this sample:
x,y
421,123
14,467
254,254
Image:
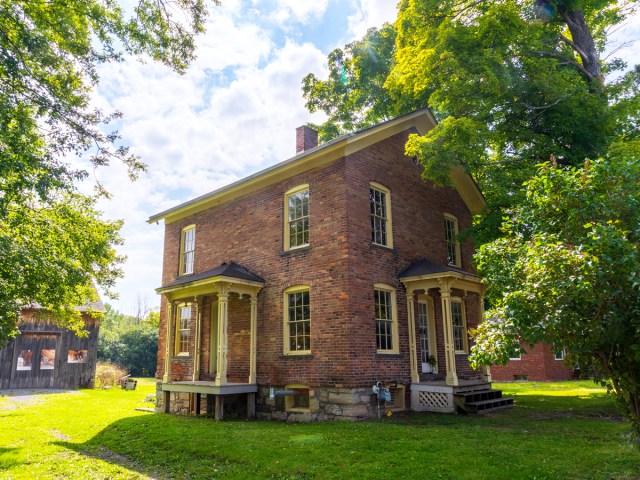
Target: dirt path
x,y
18,398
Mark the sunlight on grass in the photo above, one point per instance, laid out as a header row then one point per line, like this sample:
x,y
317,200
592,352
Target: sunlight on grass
x,y
568,431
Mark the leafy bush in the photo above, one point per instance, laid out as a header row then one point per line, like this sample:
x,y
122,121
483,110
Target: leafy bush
x,y
108,375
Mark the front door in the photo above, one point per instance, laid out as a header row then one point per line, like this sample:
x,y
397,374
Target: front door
x,y
34,362
425,343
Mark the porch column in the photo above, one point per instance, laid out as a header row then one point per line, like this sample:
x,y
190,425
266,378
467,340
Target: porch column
x,y
484,370
254,338
167,351
223,329
196,349
447,323
413,355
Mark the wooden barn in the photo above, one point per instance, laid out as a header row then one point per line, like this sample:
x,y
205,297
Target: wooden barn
x,y
47,356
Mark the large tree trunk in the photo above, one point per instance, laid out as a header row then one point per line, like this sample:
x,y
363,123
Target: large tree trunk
x,y
582,42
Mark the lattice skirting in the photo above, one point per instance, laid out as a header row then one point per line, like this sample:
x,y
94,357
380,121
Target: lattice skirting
x,y
425,399
433,399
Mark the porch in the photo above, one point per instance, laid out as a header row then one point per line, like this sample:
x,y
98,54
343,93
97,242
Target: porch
x,y
470,396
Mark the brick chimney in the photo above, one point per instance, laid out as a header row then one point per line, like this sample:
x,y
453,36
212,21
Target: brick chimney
x,y
306,138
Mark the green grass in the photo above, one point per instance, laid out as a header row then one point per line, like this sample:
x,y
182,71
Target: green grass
x,y
567,430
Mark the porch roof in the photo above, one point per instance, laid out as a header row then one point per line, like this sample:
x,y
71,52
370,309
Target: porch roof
x,y
425,274
237,277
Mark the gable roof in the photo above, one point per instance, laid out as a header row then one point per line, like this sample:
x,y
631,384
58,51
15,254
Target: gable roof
x,y
422,120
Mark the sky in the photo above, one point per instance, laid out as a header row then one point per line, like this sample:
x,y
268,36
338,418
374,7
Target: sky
x,y
233,113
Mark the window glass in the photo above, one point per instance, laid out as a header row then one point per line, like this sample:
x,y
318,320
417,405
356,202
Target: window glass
x,y
299,321
384,319
453,247
378,207
457,319
182,334
47,359
188,249
25,359
298,218
77,356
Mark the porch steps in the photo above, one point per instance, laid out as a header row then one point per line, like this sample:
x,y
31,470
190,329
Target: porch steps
x,y
482,401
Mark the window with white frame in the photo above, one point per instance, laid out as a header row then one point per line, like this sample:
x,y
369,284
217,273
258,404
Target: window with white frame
x,y
458,319
297,324
559,354
386,319
187,249
380,208
451,236
296,229
183,318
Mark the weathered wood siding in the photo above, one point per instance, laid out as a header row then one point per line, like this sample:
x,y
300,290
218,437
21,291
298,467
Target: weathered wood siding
x,y
40,356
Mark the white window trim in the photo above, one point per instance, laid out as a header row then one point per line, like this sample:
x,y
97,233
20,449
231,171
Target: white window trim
x,y
182,249
559,358
394,323
458,262
388,223
287,236
285,324
176,346
465,334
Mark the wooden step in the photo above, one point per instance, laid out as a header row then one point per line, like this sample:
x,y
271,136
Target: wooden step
x,y
482,401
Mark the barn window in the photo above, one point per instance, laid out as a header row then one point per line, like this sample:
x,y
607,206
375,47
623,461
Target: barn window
x,y
47,359
77,356
25,359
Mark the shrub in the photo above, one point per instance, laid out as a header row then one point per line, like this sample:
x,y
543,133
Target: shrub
x,y
108,375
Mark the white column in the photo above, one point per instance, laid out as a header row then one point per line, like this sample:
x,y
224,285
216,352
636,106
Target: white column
x,y
413,354
254,338
198,340
485,370
167,352
447,323
223,329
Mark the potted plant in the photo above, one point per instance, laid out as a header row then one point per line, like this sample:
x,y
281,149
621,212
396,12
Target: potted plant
x,y
431,364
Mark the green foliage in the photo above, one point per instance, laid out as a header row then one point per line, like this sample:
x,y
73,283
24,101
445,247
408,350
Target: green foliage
x,y
108,375
52,245
129,342
566,273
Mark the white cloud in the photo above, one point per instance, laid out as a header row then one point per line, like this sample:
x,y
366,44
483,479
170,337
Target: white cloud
x,y
371,13
299,11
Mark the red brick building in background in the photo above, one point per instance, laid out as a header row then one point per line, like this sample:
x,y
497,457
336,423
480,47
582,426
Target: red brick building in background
x,y
293,291
540,363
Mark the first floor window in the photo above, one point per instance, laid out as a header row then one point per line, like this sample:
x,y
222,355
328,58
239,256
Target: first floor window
x,y
385,318
298,320
182,330
559,355
459,327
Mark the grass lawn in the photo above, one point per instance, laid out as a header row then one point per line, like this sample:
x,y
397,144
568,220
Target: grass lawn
x,y
567,430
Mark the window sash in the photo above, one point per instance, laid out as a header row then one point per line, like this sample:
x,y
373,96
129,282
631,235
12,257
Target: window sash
x,y
384,320
183,330
298,218
457,319
299,321
378,207
188,250
423,324
451,227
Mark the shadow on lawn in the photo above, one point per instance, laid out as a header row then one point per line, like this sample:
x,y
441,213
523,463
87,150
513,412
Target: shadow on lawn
x,y
8,458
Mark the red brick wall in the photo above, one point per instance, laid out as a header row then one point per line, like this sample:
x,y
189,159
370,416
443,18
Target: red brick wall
x,y
538,364
341,267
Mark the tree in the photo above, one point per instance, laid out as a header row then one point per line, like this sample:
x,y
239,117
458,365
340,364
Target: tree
x,y
49,53
511,84
129,342
569,264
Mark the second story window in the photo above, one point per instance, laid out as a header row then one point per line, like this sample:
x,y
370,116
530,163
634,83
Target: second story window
x,y
380,208
187,249
296,229
451,236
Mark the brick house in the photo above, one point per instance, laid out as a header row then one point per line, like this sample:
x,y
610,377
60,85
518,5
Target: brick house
x,y
541,363
293,291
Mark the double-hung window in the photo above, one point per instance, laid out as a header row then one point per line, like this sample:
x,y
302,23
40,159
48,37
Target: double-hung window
x,y
451,236
297,324
187,249
386,318
458,318
183,319
296,228
380,210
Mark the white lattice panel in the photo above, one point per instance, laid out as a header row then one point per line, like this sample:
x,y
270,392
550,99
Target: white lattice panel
x,y
433,399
